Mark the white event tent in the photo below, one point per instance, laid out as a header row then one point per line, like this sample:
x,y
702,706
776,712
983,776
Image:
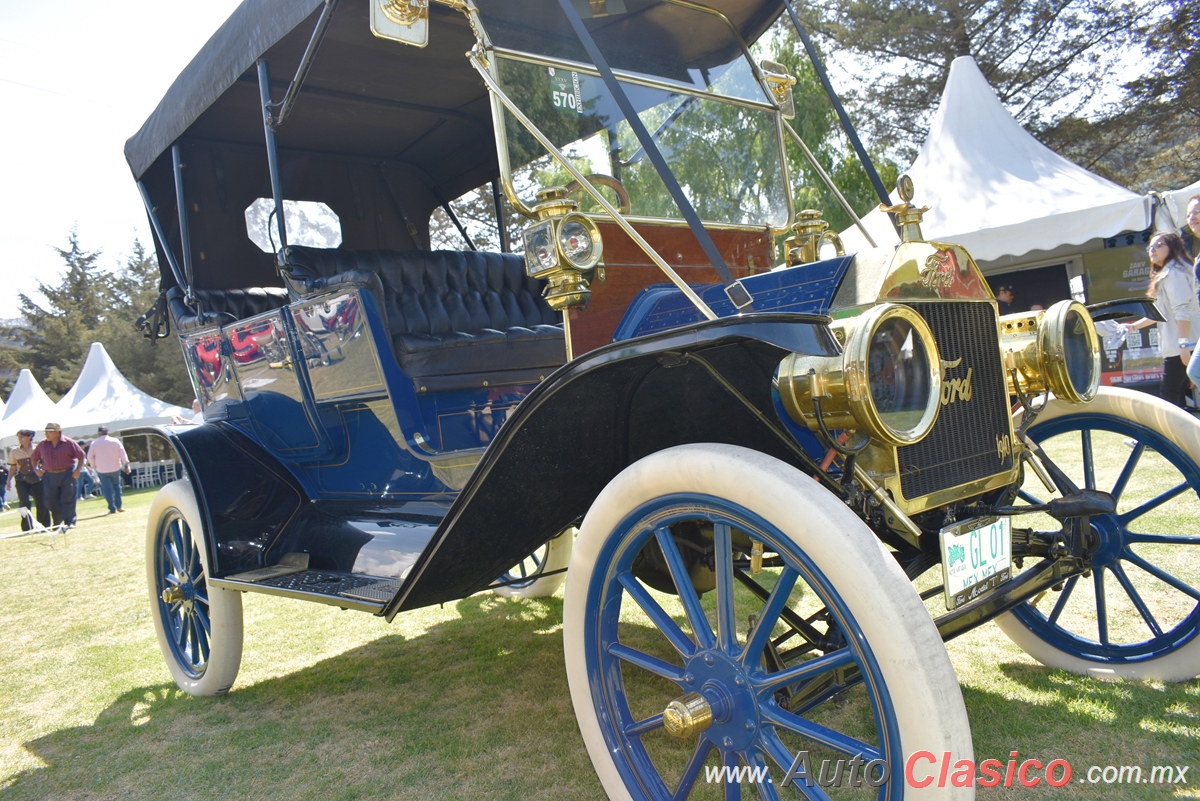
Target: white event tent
x,y
996,190
103,396
28,407
1172,208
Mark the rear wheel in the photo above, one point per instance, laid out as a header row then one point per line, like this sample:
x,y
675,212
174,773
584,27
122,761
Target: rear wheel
x,y
1137,616
827,652
199,627
529,578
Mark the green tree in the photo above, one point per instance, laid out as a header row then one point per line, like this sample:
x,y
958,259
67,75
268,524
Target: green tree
x,y
154,366
55,337
91,304
1048,60
1147,139
817,124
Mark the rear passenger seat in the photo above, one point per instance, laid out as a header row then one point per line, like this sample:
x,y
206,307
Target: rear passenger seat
x,y
222,306
455,319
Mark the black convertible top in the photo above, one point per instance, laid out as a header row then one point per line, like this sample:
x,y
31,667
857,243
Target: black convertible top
x,y
382,132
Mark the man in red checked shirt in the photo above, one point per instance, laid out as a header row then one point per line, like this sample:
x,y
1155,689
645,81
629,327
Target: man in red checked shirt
x,y
58,460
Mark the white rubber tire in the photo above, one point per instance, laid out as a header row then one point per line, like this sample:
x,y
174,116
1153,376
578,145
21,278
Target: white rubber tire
x,y
1177,426
224,606
558,557
912,658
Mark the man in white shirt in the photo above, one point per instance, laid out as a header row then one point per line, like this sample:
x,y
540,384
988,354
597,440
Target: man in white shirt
x,y
107,457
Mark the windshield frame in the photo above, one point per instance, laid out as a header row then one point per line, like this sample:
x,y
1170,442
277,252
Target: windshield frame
x,y
489,55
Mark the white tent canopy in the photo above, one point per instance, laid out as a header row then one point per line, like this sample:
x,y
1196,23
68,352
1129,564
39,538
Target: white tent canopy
x,y
1172,208
28,407
996,190
102,396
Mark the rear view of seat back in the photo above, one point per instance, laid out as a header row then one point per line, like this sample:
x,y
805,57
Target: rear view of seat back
x,y
222,306
455,318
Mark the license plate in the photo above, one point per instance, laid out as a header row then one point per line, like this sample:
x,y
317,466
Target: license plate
x,y
976,556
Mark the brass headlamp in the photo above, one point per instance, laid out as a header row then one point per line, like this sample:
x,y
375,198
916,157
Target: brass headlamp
x,y
1056,349
887,380
563,248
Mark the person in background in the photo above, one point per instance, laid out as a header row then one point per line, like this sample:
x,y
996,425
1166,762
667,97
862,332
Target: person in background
x,y
197,416
3,486
108,457
25,478
86,485
59,461
1173,287
1193,221
1004,299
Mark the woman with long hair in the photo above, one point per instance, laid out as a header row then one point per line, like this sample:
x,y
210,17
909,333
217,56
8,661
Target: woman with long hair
x,y
1173,288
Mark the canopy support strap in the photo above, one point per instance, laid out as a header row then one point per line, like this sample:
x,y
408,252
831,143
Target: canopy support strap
x,y
161,236
501,227
318,35
264,92
185,240
457,224
733,287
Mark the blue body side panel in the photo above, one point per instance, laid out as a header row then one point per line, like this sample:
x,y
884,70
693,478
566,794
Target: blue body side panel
x,y
806,289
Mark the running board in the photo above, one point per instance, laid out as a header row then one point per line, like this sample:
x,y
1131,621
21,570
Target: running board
x,y
346,590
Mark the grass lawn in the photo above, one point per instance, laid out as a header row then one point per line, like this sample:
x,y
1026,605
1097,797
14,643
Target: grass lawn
x,y
467,701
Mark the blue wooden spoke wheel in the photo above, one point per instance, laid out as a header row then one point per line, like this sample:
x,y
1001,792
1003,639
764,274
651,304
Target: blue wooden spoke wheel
x,y
1137,615
199,627
828,650
529,580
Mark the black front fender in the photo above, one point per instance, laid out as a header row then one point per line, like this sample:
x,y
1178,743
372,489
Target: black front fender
x,y
594,417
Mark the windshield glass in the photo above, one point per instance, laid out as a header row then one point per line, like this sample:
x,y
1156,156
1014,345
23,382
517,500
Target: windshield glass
x,y
685,71
725,155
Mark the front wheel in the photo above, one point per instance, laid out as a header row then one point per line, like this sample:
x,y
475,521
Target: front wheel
x,y
824,651
1137,615
199,627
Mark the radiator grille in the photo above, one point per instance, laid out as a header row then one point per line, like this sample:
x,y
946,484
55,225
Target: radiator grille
x,y
963,444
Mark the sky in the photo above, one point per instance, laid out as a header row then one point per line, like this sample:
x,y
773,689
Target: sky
x,y
76,80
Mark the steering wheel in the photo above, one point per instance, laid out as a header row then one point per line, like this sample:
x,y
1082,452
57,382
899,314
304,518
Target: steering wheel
x,y
600,179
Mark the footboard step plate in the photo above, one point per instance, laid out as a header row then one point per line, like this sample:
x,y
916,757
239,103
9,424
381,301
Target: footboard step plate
x,y
349,590
380,591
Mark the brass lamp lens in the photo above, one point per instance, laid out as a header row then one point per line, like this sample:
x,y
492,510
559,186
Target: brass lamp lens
x,y
900,378
1081,362
579,240
539,249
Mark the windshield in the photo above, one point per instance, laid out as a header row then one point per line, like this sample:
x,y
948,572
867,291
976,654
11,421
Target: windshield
x,y
695,91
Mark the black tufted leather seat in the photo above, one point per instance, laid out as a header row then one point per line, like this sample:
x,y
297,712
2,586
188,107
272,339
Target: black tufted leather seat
x,y
449,314
222,306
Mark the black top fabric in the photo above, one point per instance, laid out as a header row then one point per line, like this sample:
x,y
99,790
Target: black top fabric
x,y
381,132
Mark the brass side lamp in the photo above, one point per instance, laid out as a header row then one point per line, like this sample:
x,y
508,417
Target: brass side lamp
x,y
563,248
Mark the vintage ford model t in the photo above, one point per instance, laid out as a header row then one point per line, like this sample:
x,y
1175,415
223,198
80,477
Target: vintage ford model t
x,y
773,463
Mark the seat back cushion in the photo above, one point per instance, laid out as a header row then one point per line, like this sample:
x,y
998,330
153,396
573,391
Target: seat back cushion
x,y
222,306
450,312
